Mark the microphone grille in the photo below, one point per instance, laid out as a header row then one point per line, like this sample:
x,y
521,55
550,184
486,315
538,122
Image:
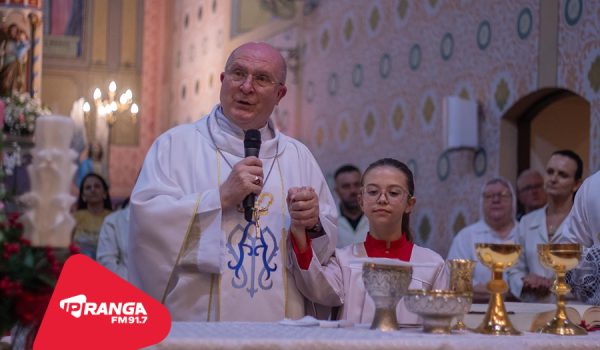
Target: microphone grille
x,y
252,138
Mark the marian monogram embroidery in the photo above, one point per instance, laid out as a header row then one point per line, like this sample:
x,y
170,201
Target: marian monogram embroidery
x,y
260,249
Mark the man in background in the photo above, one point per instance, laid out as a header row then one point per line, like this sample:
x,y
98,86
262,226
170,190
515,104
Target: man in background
x,y
530,192
352,224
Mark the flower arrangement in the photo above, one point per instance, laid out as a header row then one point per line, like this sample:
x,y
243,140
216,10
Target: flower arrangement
x,y
20,112
28,275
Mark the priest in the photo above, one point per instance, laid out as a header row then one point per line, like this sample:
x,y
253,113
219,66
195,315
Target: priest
x,y
191,245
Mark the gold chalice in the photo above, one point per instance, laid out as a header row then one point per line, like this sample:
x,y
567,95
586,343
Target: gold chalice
x,y
498,257
386,284
560,257
461,281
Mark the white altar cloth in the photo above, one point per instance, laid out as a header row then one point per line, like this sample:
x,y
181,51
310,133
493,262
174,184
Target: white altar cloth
x,y
268,336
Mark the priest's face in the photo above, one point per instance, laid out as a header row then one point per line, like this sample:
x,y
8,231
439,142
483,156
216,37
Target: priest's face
x,y
252,85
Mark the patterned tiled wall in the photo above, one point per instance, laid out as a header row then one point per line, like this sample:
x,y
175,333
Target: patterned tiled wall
x,y
374,74
197,59
380,71
579,60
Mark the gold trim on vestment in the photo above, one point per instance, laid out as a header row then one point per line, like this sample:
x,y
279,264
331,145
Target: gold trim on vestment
x,y
183,245
283,245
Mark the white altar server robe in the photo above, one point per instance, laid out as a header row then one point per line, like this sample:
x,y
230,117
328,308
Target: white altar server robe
x,y
340,282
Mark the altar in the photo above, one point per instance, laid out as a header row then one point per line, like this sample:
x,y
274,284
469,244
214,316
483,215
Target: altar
x,y
268,336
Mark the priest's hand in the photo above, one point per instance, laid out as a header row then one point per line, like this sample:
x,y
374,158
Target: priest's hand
x,y
303,206
246,177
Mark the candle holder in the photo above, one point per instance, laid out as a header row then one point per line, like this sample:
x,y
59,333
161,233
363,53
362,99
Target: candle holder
x,y
560,258
498,257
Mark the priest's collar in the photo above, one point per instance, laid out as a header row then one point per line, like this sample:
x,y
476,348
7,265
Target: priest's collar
x,y
229,138
266,132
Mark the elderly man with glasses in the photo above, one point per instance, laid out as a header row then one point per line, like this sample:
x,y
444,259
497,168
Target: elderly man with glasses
x,y
191,246
530,192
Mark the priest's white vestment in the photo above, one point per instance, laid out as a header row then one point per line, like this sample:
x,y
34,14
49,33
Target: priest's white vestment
x,y
206,264
583,222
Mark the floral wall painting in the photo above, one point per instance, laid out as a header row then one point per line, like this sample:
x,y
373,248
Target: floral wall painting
x,y
63,28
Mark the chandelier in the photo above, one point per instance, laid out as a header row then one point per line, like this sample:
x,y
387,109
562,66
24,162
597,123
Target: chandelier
x,y
108,108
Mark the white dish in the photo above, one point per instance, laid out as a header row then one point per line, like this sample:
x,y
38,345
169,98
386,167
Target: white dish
x,y
306,321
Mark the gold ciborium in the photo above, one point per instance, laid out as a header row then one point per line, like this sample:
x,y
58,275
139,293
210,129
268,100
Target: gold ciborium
x,y
386,284
560,257
461,281
498,257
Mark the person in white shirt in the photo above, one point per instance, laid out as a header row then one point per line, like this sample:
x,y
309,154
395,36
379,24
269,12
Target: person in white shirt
x,y
529,280
583,226
583,223
497,225
352,224
112,242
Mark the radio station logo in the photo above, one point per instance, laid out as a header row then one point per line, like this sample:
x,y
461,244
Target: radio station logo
x,y
122,313
84,314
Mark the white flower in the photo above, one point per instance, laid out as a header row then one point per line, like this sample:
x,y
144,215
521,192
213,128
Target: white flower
x,y
20,113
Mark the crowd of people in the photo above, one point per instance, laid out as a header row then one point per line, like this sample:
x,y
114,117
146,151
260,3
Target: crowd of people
x,y
185,240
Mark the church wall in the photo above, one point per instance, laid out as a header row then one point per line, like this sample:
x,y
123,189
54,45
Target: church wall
x,y
374,73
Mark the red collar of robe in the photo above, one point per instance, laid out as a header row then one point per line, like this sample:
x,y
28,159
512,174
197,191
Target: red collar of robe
x,y
398,249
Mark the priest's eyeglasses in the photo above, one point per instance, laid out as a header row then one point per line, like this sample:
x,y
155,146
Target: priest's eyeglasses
x,y
239,76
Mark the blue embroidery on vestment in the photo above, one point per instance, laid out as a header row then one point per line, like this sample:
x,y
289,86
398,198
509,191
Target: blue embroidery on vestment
x,y
260,252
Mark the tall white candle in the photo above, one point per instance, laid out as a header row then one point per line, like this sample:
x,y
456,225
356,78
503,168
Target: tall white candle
x,y
53,131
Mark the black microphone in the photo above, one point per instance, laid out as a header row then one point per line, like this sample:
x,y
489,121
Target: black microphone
x,y
251,149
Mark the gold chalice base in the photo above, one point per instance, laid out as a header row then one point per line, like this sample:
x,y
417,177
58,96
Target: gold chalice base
x,y
497,257
560,257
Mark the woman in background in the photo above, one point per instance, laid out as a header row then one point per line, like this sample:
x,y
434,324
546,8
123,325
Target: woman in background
x,y
497,225
387,198
93,205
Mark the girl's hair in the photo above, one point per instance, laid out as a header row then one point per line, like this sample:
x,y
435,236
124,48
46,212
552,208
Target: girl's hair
x,y
81,204
410,182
